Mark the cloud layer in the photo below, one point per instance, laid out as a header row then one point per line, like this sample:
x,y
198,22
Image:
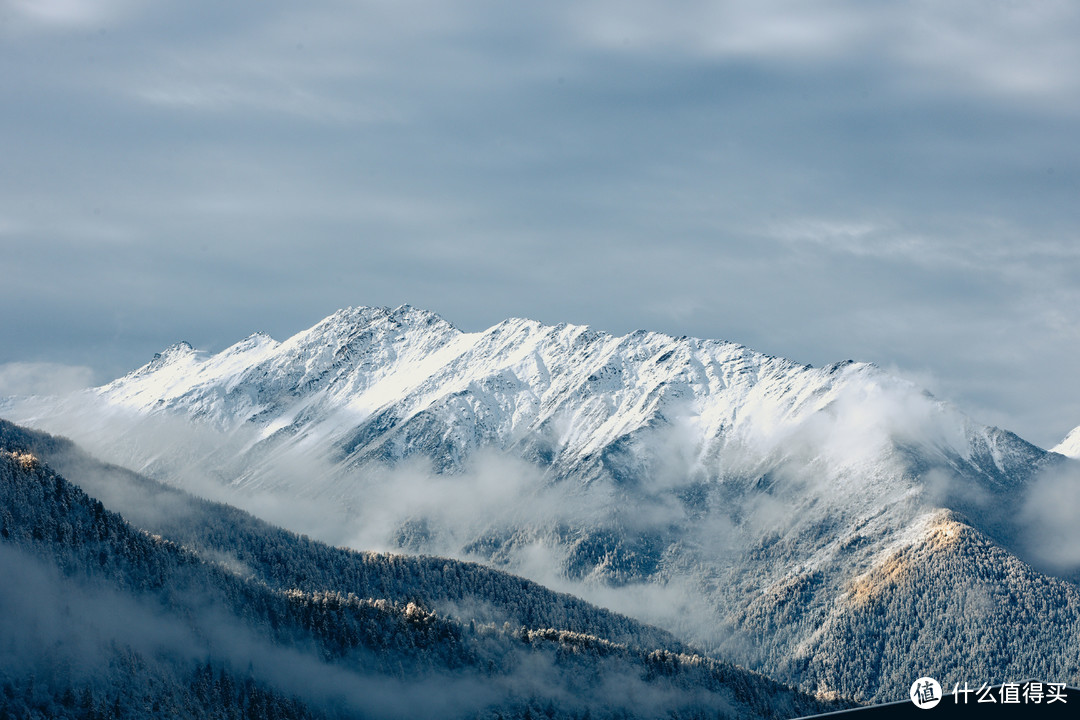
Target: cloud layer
x,y
887,182
28,378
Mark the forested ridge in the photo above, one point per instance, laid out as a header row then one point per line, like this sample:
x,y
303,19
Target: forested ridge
x,y
982,615
285,560
106,620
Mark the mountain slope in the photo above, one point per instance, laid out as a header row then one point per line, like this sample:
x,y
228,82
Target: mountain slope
x,y
728,496
981,612
282,560
136,623
1070,445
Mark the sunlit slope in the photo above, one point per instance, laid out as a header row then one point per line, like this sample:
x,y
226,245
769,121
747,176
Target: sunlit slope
x,y
950,604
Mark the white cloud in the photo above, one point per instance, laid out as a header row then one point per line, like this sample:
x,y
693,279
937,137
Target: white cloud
x,y
43,378
983,244
71,14
1005,49
1017,49
779,29
1049,513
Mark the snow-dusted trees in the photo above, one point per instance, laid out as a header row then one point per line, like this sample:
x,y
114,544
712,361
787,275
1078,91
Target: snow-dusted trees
x,y
214,614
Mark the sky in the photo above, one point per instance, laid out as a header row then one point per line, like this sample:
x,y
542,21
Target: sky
x,y
893,182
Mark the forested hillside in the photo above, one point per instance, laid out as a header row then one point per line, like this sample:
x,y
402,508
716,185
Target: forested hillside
x,y
983,615
102,619
284,560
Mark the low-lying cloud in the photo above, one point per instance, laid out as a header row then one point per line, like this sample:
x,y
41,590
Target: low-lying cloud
x,y
43,378
1049,515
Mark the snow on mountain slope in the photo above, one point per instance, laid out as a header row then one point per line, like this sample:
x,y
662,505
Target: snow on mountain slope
x,y
692,483
1070,446
380,384
689,428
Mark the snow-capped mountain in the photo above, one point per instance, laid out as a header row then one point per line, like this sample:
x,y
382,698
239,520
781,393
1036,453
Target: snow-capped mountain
x,y
746,502
384,385
1070,446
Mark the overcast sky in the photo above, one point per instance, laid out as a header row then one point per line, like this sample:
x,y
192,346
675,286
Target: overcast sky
x,y
896,182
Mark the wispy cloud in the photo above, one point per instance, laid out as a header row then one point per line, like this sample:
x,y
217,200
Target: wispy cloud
x,y
996,49
984,244
1002,49
775,30
43,378
68,14
1048,515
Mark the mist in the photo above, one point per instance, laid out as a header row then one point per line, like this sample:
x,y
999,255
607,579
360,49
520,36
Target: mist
x,y
1048,515
58,622
84,632
43,378
665,537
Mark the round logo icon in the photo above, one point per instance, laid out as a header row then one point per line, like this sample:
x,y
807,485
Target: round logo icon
x,y
925,693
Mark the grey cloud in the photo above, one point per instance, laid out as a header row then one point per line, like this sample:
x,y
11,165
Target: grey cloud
x,y
970,47
836,180
45,614
27,16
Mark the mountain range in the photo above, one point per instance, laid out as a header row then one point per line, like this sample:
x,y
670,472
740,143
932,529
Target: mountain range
x,y
836,528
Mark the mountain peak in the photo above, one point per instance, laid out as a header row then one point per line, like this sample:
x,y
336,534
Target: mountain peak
x,y
349,321
181,348
1070,446
173,353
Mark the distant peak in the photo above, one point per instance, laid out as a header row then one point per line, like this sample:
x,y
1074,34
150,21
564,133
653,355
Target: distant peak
x,y
168,356
516,322
252,341
405,314
175,350
1070,446
417,314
